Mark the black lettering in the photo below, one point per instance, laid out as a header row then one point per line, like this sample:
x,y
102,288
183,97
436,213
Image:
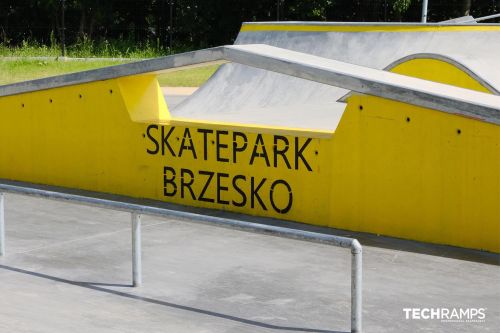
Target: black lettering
x,y
157,146
187,136
187,184
254,193
259,142
167,181
209,179
290,196
221,188
281,152
298,153
165,140
235,144
219,146
205,141
240,191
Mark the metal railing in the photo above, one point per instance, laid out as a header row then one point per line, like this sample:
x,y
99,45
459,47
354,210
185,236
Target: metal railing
x,y
137,210
484,18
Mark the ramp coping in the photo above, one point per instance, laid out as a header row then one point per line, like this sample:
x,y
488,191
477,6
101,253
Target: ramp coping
x,y
365,80
435,56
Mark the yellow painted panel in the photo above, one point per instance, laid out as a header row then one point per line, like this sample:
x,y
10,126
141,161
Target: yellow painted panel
x,y
83,137
143,98
364,28
439,71
415,173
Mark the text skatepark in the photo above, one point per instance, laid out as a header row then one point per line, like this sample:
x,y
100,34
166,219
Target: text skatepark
x,y
229,147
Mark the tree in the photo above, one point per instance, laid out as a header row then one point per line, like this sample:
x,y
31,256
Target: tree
x,y
200,23
400,7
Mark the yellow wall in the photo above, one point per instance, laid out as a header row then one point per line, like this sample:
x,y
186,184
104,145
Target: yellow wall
x,y
415,173
363,27
56,137
390,168
439,71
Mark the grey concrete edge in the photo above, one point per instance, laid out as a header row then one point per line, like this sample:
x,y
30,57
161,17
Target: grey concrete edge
x,y
436,56
423,93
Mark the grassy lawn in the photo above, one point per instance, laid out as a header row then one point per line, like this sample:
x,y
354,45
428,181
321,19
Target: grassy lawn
x,y
194,77
21,70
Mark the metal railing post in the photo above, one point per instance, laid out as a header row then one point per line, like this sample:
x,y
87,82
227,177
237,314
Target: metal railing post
x,y
136,250
424,11
356,287
2,225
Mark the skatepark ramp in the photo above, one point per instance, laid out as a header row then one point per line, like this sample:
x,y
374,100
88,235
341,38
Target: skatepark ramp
x,y
243,94
390,129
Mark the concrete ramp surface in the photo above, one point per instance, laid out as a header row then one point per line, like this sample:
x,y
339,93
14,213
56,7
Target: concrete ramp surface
x,y
241,94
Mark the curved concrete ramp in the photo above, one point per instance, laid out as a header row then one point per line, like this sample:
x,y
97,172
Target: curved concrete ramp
x,y
241,94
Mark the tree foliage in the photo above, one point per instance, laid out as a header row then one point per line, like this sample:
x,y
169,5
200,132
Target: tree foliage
x,y
198,23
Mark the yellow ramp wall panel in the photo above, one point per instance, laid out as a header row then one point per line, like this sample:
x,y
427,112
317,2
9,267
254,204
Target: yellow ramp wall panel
x,y
390,168
89,137
438,70
415,173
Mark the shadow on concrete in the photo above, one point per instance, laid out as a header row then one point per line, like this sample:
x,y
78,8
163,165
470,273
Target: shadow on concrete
x,y
82,283
99,287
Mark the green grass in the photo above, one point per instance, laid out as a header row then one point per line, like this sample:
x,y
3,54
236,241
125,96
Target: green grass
x,y
86,48
21,70
194,77
29,51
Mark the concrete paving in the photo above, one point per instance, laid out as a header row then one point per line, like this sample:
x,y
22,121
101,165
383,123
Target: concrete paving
x,y
175,95
68,268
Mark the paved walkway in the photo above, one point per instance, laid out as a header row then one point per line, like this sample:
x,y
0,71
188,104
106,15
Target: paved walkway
x,y
68,270
182,91
175,95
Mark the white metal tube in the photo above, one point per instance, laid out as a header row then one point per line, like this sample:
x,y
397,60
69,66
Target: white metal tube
x,y
356,287
136,250
2,225
479,19
424,10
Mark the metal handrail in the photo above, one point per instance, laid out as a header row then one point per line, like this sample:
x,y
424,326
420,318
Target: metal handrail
x,y
137,210
484,18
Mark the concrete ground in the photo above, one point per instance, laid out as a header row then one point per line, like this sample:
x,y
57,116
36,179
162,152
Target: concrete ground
x,y
68,269
175,95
